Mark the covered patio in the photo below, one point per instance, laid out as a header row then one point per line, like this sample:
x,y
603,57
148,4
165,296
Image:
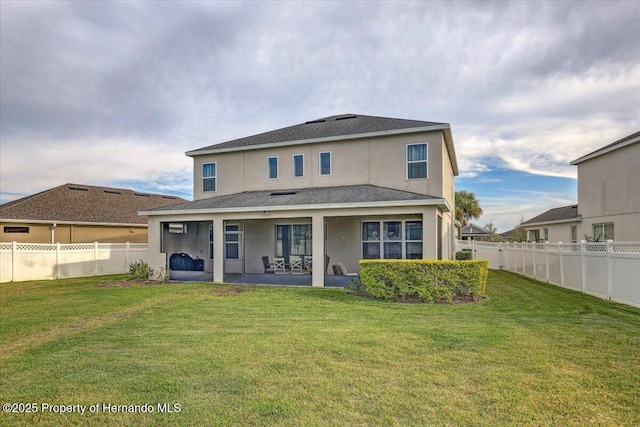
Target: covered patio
x,y
231,236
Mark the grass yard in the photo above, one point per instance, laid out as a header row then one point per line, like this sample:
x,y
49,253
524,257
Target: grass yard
x,y
531,354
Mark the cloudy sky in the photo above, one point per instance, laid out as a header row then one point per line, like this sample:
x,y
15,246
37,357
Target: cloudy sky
x,y
114,93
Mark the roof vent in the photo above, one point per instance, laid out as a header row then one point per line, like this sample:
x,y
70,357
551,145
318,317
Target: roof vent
x,y
168,197
283,193
78,188
142,195
351,116
314,121
112,192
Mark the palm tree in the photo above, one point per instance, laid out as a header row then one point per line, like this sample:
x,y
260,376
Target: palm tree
x,y
467,207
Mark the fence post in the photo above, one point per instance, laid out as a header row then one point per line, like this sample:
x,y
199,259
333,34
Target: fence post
x,y
473,249
583,266
546,258
533,255
609,270
14,259
127,256
560,262
58,260
522,246
95,258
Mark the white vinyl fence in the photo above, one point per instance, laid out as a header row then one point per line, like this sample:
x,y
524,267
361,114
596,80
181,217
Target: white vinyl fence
x,y
35,261
609,270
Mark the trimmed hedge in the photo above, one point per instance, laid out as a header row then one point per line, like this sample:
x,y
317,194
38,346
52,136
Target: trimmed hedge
x,y
429,280
464,255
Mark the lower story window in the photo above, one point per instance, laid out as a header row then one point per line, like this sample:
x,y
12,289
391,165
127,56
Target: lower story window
x,y
9,229
392,239
232,241
603,232
574,233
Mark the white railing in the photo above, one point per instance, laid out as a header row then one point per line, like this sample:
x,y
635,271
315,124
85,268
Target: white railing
x,y
609,270
36,261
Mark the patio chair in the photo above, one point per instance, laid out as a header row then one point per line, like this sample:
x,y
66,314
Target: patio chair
x,y
268,267
345,272
279,266
308,263
296,264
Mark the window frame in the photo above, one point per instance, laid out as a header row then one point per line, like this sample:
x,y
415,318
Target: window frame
x,y
320,163
16,229
269,167
603,226
227,233
425,161
214,177
383,241
573,233
294,165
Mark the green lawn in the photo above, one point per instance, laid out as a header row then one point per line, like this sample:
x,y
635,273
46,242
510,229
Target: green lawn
x,y
531,354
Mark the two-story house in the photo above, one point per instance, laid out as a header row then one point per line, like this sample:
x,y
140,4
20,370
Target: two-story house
x,y
609,191
340,188
608,199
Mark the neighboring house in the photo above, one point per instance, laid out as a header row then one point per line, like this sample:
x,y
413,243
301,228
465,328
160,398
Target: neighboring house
x,y
343,187
554,225
609,191
76,213
608,199
473,232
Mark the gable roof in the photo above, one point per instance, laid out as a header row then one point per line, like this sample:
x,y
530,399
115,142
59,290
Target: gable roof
x,y
302,198
472,229
77,203
339,127
623,142
561,214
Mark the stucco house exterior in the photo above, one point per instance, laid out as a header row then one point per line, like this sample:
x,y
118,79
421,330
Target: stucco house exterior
x,y
78,213
555,225
339,188
609,191
608,198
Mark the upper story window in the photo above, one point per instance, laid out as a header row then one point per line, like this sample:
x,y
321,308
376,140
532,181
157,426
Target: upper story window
x,y
209,177
325,163
272,167
417,161
298,165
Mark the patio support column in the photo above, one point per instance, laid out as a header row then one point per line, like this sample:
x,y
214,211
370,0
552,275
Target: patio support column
x,y
317,230
430,238
218,250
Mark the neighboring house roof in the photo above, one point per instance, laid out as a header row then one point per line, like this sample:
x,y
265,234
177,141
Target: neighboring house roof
x,y
77,203
473,230
331,128
312,198
555,215
507,234
627,140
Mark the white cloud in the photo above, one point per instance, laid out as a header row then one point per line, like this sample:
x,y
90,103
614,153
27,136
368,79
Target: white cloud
x,y
42,164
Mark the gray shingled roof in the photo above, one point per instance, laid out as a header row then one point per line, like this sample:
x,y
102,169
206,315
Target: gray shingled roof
x,y
556,214
608,147
472,229
87,204
296,197
333,126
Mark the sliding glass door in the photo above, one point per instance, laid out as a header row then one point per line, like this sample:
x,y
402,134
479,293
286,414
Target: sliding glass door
x,y
293,239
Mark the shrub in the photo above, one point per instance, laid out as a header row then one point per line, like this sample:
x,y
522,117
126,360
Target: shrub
x,y
140,270
429,280
464,255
